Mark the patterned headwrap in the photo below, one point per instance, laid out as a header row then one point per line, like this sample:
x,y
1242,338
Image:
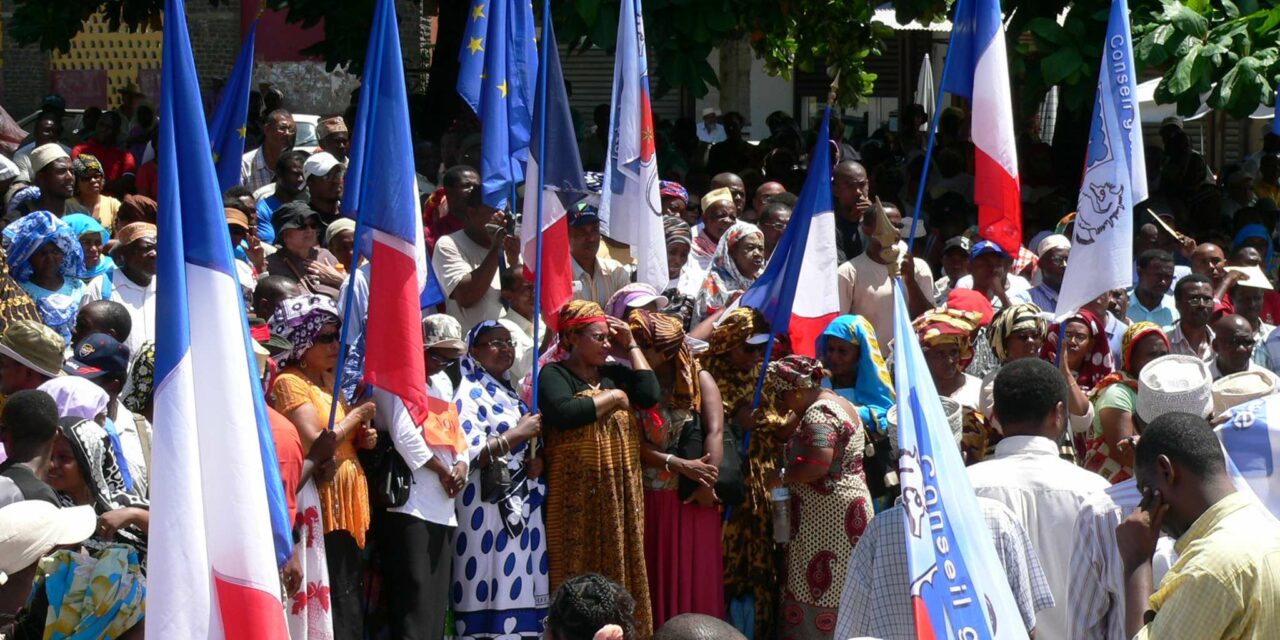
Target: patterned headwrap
x,y
677,231
23,197
735,327
725,278
664,334
1011,320
1125,374
142,375
84,163
948,326
576,314
82,224
795,372
1097,363
299,320
669,189
29,233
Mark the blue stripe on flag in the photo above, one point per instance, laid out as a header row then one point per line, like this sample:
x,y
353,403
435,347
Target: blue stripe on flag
x,y
975,25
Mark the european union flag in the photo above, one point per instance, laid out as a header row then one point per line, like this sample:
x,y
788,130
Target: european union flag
x,y
227,128
497,74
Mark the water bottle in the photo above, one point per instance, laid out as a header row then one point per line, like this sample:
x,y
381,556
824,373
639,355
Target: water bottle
x,y
781,507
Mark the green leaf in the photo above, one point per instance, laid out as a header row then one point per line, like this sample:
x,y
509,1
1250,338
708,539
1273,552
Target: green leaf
x,y
1230,9
588,10
1048,30
1182,77
1187,20
1060,65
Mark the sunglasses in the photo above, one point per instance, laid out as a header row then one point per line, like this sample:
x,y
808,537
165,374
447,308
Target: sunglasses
x,y
498,344
598,337
328,338
753,348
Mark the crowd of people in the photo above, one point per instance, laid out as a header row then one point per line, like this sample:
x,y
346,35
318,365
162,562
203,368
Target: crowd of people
x,y
654,493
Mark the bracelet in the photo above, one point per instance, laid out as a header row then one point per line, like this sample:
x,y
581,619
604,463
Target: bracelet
x,y
634,346
666,464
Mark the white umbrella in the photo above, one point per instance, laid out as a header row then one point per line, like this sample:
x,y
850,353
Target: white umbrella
x,y
925,94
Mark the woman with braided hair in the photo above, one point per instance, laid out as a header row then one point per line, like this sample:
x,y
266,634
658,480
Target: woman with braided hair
x,y
591,607
594,514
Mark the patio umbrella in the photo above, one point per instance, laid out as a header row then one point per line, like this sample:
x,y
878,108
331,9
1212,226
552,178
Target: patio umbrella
x,y
925,94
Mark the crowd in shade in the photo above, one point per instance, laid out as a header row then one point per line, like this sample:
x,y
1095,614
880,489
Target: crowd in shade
x,y
673,483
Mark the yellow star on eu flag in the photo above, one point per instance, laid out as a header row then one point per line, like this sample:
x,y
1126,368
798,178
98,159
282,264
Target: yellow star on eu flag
x,y
475,45
243,130
477,12
503,88
215,157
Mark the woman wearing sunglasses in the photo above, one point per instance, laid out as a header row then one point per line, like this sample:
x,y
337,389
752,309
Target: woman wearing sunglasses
x,y
302,392
595,500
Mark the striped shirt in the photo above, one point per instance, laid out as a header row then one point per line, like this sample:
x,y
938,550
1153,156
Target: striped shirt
x,y
254,172
876,599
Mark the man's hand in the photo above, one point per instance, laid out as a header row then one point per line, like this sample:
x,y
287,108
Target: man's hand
x,y
1136,537
291,574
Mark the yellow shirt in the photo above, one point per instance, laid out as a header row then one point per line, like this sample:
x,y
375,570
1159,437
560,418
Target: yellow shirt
x,y
1226,582
104,212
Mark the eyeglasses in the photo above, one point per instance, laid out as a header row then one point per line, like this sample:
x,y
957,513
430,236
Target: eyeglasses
x,y
438,358
498,344
327,338
598,337
1242,343
753,348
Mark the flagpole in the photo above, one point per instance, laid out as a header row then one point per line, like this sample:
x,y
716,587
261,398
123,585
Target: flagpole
x,y
928,150
541,107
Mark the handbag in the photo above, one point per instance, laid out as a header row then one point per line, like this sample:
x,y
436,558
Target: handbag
x,y
495,479
730,486
389,475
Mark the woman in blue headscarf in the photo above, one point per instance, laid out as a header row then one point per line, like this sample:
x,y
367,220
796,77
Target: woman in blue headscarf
x,y
93,237
849,350
45,258
1256,236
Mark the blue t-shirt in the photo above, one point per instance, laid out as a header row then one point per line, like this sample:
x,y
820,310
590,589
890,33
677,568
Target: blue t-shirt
x,y
266,207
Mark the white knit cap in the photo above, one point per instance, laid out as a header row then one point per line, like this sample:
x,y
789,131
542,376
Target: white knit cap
x,y
1175,383
951,408
1049,243
42,155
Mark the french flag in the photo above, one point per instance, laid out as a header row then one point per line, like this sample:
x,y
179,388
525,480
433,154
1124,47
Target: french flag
x,y
562,187
980,73
219,525
806,253
382,194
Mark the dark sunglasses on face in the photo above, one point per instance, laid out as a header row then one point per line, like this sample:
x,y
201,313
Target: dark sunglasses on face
x,y
328,338
753,348
499,344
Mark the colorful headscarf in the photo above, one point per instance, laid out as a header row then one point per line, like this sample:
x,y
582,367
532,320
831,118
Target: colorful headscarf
x,y
1011,320
141,380
664,334
31,232
103,476
676,231
488,407
1125,374
1098,363
734,329
576,314
669,189
299,320
84,163
82,224
725,278
102,594
872,389
948,326
22,198
795,372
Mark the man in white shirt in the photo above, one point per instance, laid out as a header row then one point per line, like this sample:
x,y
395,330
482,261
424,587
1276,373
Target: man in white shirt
x,y
595,277
1190,334
1233,345
865,286
517,293
710,131
1026,474
466,263
134,282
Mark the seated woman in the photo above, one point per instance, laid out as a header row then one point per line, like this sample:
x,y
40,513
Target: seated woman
x,y
592,441
499,430
45,258
301,258
1115,399
84,471
737,262
93,237
830,504
682,512
303,393
89,197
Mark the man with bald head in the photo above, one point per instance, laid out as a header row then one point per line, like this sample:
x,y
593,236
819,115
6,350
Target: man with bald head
x,y
734,184
1233,344
851,192
1208,259
763,193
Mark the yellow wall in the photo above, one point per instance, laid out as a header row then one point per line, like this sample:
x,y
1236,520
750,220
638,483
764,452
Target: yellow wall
x,y
121,54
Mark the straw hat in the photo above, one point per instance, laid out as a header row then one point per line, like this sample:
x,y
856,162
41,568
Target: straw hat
x,y
1238,388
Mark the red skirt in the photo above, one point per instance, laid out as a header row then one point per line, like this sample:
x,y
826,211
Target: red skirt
x,y
683,556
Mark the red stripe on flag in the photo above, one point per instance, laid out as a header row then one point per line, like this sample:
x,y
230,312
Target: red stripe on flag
x,y
557,274
804,333
393,336
924,625
999,203
248,612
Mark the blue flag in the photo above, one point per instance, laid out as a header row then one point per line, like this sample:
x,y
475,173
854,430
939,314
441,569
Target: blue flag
x,y
1275,119
498,67
230,118
958,586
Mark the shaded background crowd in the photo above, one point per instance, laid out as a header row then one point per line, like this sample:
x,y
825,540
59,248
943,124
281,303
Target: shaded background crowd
x,y
650,485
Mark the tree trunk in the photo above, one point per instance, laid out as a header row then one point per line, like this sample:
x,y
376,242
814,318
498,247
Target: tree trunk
x,y
442,103
735,81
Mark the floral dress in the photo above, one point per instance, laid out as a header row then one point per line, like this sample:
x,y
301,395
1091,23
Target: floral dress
x,y
827,519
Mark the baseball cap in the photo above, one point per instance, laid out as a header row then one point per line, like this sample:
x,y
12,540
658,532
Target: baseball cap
x,y
442,332
984,247
33,345
319,164
905,231
236,218
30,529
293,215
958,242
96,355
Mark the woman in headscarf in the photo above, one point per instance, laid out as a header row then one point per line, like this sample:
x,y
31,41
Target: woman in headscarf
x,y
45,257
685,275
89,198
81,398
1088,354
682,513
946,338
498,429
83,470
752,565
851,353
303,393
1115,399
737,262
1256,236
637,295
93,237
675,199
830,504
1016,332
593,441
